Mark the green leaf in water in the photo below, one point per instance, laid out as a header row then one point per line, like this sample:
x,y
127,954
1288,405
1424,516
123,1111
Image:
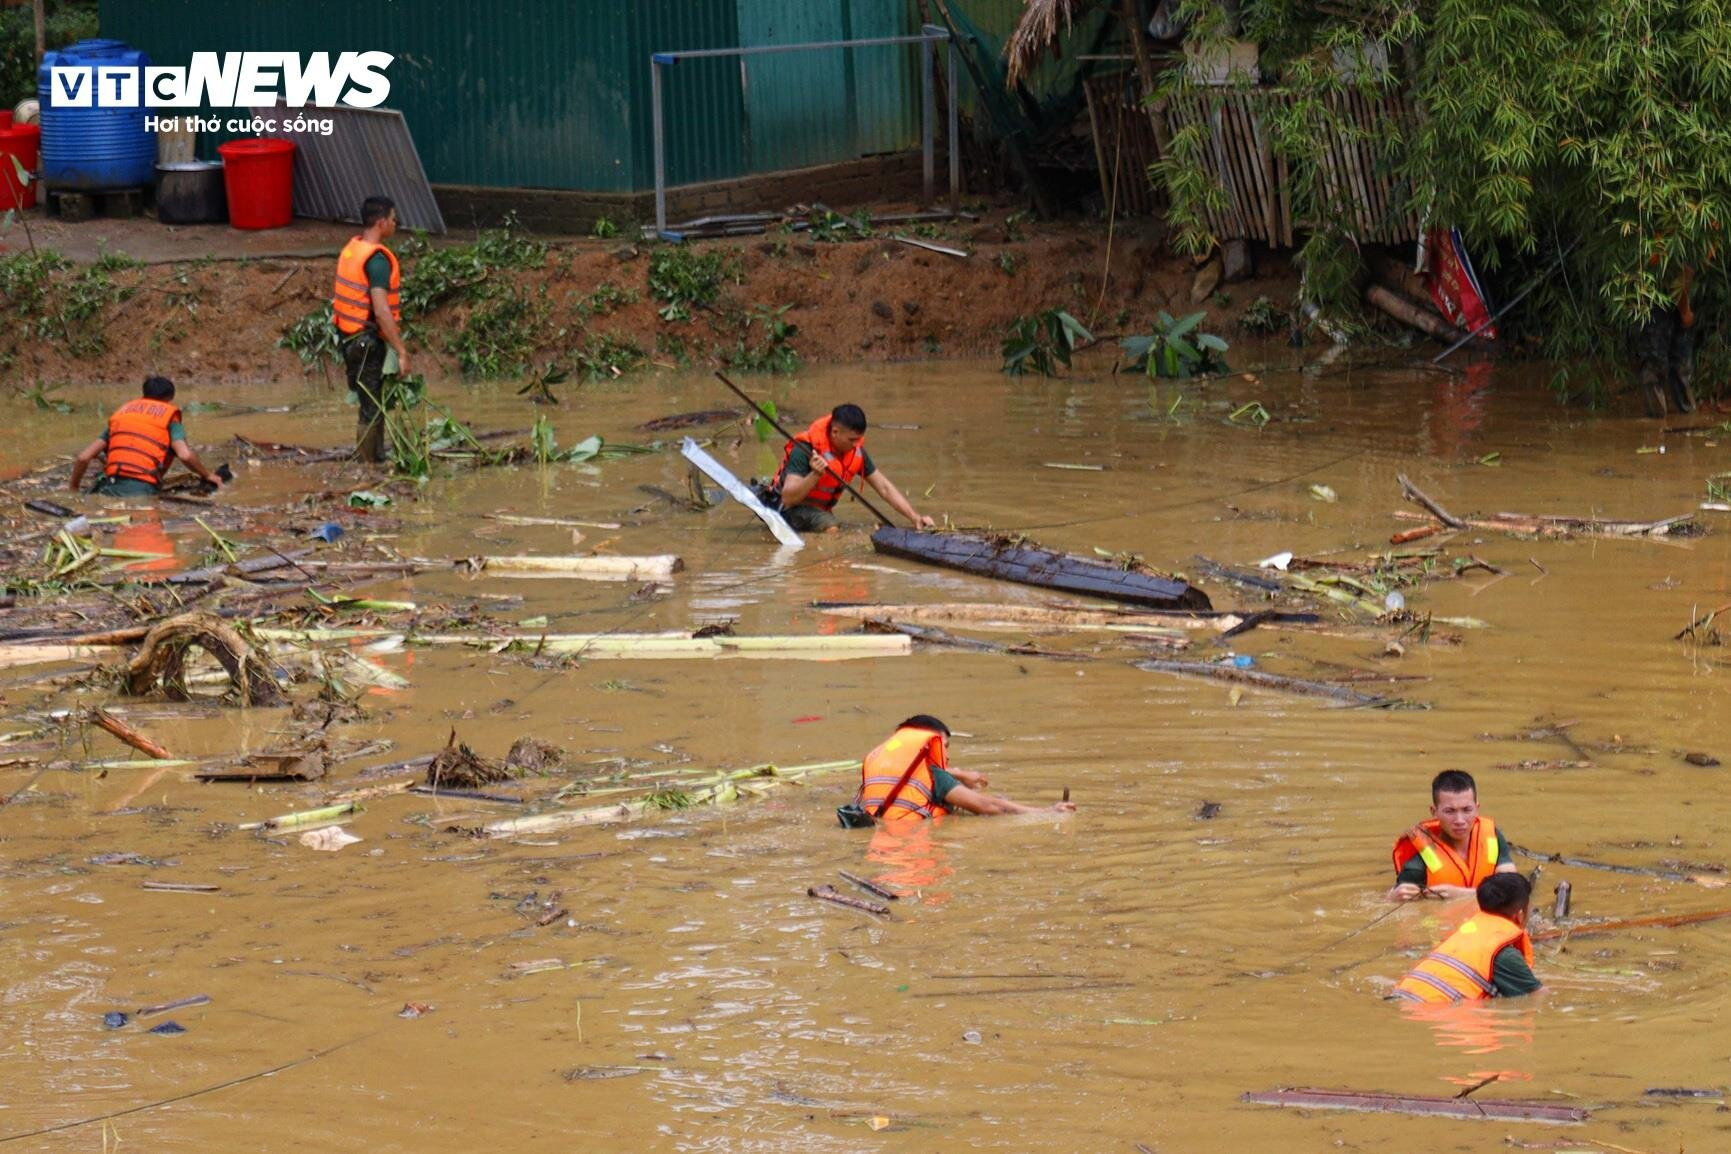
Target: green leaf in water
x,y
367,499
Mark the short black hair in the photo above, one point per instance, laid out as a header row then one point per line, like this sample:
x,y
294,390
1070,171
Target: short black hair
x,y
1452,781
375,209
925,721
1505,894
849,417
158,389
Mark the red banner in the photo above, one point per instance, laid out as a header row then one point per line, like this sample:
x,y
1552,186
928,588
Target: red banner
x,y
1454,287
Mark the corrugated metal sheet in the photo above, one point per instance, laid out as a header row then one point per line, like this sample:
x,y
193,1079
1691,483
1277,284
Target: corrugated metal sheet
x,y
704,108
540,94
511,93
368,153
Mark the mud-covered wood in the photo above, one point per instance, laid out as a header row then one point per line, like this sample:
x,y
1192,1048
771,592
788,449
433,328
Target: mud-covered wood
x,y
1031,565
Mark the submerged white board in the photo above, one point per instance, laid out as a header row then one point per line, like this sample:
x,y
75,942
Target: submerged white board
x,y
736,489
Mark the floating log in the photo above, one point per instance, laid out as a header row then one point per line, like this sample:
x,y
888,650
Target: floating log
x,y
1413,493
1370,1101
627,646
930,636
1413,315
1261,680
1669,921
586,568
13,656
1031,565
1710,881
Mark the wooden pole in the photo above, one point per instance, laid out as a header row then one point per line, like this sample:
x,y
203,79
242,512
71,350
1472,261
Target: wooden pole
x,y
41,14
129,735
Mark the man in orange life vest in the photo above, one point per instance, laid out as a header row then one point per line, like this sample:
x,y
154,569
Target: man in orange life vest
x,y
909,778
143,439
817,463
365,307
1490,956
1449,855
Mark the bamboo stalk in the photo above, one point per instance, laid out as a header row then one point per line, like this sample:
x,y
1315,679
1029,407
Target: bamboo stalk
x,y
1666,920
324,815
717,788
588,568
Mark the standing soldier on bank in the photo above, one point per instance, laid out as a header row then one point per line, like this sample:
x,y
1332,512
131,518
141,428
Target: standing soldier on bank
x,y
368,316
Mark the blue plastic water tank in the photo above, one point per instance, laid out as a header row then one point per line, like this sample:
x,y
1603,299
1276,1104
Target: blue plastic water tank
x,y
91,149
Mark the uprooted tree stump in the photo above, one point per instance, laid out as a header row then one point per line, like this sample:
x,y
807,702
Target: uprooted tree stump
x,y
162,660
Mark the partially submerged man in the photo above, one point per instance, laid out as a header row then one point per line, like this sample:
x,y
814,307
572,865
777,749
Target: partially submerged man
x,y
366,307
1449,855
142,441
818,463
1490,956
909,778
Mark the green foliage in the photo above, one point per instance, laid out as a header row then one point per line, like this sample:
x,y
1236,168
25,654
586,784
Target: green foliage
x,y
1262,317
771,353
762,425
605,228
1009,262
828,227
454,273
313,337
675,346
607,356
1042,342
1177,349
25,279
1535,126
67,22
606,298
501,334
684,277
83,300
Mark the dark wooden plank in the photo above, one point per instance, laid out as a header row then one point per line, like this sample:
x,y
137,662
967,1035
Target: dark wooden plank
x,y
1507,1110
1031,565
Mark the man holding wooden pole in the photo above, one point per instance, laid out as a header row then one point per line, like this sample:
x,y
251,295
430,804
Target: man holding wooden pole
x,y
1449,855
818,464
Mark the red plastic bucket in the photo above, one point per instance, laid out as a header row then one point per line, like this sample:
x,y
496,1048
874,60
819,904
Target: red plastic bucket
x,y
20,141
259,176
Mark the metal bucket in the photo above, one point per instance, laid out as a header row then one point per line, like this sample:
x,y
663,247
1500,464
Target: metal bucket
x,y
191,192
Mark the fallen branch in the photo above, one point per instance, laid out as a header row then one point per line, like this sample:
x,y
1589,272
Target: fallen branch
x,y
162,660
1413,493
1260,680
129,735
835,898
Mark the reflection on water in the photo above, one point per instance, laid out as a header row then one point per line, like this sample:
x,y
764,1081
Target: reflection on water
x,y
1049,986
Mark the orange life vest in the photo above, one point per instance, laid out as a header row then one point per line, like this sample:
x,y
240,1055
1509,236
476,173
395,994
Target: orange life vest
x,y
139,447
1460,969
1442,865
828,489
885,766
352,302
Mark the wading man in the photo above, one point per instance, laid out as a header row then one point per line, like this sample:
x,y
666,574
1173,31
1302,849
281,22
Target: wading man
x,y
143,439
908,778
1490,956
818,463
365,306
1449,855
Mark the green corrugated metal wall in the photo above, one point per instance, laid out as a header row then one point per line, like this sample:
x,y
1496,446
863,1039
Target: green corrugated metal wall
x,y
538,94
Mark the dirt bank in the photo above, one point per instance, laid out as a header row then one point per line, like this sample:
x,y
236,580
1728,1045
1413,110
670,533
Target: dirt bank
x,y
217,315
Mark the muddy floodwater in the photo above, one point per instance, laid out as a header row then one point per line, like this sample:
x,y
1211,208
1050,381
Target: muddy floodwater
x,y
1050,984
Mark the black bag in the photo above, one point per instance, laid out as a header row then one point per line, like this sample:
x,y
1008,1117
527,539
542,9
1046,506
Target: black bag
x,y
853,816
769,498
